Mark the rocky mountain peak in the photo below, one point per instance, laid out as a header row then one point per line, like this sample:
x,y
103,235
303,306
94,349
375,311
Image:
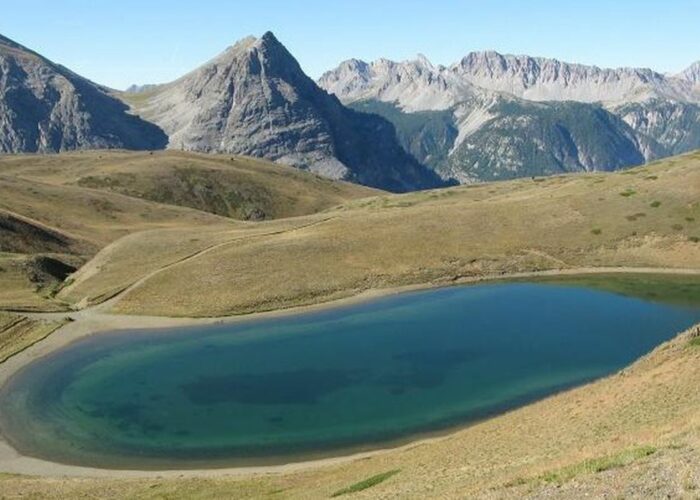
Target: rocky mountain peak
x,y
254,99
545,79
415,85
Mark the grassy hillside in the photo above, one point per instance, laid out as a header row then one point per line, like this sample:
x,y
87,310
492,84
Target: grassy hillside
x,y
648,216
69,206
231,186
19,332
635,433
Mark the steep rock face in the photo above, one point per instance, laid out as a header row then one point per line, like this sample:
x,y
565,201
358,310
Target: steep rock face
x,y
46,108
493,116
254,99
542,79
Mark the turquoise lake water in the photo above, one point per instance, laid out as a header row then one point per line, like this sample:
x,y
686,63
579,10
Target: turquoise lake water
x,y
323,383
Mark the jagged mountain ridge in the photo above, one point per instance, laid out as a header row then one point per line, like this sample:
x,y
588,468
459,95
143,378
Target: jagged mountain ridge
x,y
254,99
418,85
493,116
47,108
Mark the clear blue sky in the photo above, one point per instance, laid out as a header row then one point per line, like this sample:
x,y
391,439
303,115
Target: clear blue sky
x,y
119,42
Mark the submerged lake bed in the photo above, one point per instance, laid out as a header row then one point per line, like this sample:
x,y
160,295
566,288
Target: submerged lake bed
x,y
325,383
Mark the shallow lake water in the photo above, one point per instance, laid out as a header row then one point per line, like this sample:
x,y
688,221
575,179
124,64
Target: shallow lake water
x,y
323,383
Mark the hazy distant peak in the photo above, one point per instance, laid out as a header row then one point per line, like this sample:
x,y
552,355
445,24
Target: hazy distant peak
x,y
137,89
691,73
419,85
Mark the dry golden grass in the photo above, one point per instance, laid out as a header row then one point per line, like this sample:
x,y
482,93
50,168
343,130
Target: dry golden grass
x,y
19,332
90,217
426,237
18,292
78,203
231,186
653,405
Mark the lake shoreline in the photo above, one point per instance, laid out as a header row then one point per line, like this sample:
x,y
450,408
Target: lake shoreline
x,y
89,323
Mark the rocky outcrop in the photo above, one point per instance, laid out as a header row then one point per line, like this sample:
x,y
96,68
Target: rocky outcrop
x,y
46,108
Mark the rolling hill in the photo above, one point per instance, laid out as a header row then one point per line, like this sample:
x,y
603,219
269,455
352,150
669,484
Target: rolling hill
x,y
67,207
645,217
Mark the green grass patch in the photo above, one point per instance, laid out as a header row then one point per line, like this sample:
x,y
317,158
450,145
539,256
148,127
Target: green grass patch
x,y
596,230
690,219
366,483
651,177
628,192
664,288
694,239
694,342
655,204
596,465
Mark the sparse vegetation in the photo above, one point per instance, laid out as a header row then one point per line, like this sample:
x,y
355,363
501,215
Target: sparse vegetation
x,y
389,241
671,289
367,483
636,216
628,192
596,465
655,204
18,332
695,337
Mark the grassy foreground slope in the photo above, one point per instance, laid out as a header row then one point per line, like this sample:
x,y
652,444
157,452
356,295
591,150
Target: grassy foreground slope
x,y
648,216
636,434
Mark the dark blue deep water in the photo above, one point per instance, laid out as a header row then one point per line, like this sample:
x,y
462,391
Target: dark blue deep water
x,y
323,383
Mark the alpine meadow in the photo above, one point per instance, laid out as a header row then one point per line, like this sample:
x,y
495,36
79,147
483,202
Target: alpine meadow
x,y
465,274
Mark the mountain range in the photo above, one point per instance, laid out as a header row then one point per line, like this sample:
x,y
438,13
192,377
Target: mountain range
x,y
492,116
399,126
